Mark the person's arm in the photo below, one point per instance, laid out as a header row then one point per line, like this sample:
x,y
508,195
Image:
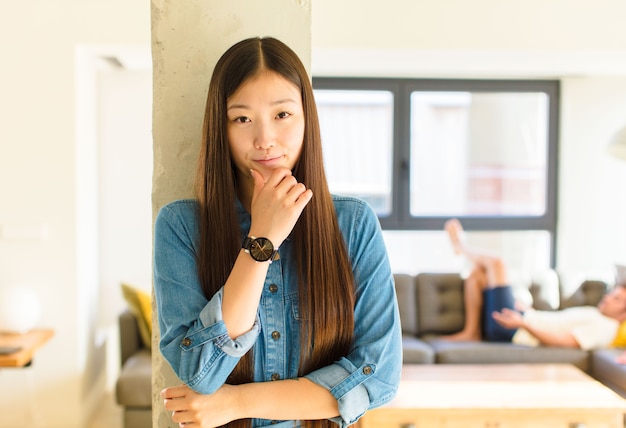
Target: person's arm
x,y
275,207
194,338
512,319
277,400
203,340
564,340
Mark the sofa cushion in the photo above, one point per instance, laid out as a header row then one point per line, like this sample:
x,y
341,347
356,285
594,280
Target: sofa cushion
x,y
416,351
589,293
620,337
134,384
440,308
607,370
140,304
544,288
405,291
453,352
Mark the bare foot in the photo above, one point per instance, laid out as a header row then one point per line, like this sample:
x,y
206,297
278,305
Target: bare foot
x,y
455,233
462,336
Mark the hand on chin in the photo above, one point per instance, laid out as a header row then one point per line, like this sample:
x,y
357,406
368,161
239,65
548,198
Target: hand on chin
x,y
268,172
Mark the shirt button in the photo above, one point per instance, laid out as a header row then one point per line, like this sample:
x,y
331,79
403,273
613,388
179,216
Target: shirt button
x,y
367,370
186,341
273,288
275,376
275,335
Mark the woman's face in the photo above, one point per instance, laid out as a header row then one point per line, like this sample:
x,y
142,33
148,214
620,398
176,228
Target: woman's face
x,y
265,124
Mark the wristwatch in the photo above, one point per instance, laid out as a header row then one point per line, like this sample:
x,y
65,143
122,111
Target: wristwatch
x,y
260,249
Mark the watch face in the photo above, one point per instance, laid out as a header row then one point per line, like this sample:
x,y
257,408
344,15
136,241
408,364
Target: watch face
x,y
261,249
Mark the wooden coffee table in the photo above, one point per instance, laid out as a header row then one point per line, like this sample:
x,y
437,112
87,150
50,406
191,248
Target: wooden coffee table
x,y
503,396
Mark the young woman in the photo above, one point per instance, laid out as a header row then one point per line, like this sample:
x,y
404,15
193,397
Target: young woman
x,y
276,300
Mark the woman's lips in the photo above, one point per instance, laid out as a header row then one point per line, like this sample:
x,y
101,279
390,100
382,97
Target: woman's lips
x,y
270,162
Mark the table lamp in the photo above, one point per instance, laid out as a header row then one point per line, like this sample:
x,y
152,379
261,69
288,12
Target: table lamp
x,y
20,309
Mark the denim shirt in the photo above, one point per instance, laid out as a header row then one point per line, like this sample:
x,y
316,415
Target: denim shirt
x,y
195,342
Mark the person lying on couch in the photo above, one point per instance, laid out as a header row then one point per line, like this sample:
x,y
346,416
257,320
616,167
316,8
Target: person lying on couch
x,y
491,312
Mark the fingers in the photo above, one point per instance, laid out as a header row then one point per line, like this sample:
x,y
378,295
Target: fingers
x,y
276,177
174,398
292,190
501,319
503,315
257,178
173,401
277,203
295,192
175,392
180,418
507,313
281,181
508,318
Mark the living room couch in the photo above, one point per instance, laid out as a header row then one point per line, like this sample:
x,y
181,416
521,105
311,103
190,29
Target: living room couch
x,y
431,305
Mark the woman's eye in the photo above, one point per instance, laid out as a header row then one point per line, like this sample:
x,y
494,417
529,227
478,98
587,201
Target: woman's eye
x,y
241,119
283,115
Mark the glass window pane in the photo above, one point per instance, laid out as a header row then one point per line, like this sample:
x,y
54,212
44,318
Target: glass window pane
x,y
478,154
357,135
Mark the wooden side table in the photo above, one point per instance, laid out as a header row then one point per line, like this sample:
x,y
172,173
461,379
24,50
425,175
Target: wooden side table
x,y
28,344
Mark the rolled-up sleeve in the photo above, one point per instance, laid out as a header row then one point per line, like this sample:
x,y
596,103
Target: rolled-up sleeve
x,y
346,385
215,330
369,375
194,339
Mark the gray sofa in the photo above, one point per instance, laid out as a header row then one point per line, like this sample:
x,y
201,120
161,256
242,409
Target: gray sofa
x,y
431,304
133,389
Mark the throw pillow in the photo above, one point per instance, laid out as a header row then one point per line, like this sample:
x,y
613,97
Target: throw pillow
x,y
140,304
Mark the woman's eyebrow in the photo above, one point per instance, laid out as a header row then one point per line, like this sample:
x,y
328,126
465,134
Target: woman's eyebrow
x,y
273,103
234,106
284,101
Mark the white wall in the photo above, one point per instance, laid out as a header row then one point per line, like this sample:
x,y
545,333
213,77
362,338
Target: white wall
x,y
592,205
456,25
124,98
39,185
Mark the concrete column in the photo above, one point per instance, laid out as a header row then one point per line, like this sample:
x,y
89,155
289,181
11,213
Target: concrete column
x,y
187,39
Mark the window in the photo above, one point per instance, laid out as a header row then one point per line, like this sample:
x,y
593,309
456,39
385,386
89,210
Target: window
x,y
421,151
359,125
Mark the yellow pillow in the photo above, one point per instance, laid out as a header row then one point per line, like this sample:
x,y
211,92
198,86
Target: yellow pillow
x,y
620,337
140,304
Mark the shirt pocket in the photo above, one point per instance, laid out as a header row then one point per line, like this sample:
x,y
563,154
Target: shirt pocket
x,y
293,306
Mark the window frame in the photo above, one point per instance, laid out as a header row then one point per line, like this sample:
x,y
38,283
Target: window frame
x,y
400,217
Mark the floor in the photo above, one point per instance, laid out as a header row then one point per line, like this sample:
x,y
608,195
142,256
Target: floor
x,y
109,415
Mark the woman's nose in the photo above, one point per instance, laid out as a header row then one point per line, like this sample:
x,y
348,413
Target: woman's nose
x,y
265,137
